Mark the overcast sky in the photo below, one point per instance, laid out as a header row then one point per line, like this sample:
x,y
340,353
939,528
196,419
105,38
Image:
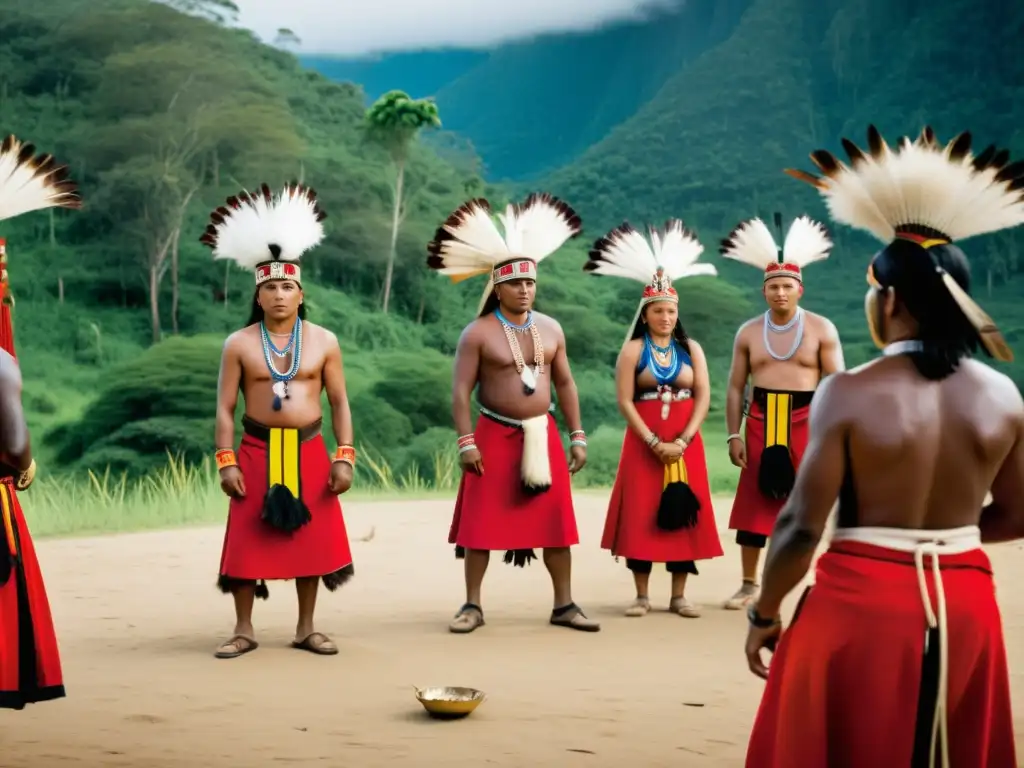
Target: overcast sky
x,y
354,27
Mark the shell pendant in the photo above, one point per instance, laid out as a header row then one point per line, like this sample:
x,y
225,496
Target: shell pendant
x,y
529,378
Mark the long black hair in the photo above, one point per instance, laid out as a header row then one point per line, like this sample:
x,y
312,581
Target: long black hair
x,y
678,333
913,273
256,315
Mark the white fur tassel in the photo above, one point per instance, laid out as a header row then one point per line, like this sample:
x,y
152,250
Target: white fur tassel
x,y
31,182
536,464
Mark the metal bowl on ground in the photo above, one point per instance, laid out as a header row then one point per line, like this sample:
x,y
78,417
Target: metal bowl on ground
x,y
449,703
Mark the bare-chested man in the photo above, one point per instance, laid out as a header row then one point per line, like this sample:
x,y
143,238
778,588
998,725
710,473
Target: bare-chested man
x,y
284,519
30,668
785,353
896,654
515,493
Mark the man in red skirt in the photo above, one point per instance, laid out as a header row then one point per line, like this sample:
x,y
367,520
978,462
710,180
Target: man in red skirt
x,y
895,656
515,493
30,668
660,509
284,518
784,353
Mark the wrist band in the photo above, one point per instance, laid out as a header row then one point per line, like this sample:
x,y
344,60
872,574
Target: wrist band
x,y
652,440
733,436
347,454
578,438
465,448
578,443
225,458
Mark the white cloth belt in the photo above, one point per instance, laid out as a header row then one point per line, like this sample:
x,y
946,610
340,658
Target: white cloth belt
x,y
682,394
933,544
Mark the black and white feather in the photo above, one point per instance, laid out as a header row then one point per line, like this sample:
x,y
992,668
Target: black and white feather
x,y
469,242
625,252
751,243
944,189
254,228
32,182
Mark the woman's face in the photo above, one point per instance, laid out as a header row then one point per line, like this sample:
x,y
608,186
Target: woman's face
x,y
661,317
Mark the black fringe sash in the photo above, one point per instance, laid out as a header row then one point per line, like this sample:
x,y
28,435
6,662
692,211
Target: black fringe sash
x,y
283,508
776,472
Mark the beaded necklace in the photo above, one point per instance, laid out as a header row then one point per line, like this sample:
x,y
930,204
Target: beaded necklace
x,y
797,319
280,386
528,375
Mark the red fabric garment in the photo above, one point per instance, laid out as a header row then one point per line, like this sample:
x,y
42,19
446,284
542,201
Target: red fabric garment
x,y
494,512
751,510
255,550
630,529
843,687
30,669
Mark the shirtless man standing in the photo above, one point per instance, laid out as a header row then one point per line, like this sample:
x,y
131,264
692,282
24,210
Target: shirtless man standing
x,y
284,519
896,654
515,492
785,353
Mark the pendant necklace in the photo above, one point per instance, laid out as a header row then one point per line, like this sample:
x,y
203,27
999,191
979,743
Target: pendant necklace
x,y
904,347
798,320
665,364
280,385
528,375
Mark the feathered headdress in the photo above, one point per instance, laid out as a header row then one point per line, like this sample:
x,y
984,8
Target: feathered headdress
x,y
266,232
752,243
28,182
670,254
469,243
928,194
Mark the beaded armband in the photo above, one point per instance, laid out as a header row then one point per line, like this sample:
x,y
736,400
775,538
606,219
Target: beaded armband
x,y
733,436
467,443
578,437
652,440
347,454
225,458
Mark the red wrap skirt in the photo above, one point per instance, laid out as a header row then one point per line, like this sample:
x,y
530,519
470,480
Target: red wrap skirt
x,y
769,423
493,511
30,668
253,550
845,684
630,528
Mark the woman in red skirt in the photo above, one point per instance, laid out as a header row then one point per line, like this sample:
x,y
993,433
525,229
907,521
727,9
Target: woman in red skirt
x,y
660,510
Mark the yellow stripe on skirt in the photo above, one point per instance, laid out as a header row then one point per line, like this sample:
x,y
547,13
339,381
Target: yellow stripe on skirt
x,y
283,452
778,414
8,515
674,473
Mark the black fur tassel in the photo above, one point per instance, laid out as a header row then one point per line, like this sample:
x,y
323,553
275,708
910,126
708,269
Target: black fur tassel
x,y
460,552
281,510
534,490
776,474
519,557
262,591
678,508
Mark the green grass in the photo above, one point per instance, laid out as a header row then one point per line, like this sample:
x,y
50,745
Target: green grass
x,y
180,495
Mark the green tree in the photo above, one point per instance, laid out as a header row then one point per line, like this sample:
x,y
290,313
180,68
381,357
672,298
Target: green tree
x,y
393,122
217,11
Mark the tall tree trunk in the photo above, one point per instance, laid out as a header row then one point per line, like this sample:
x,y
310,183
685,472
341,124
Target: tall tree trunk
x,y
53,247
423,306
174,280
227,279
396,213
154,299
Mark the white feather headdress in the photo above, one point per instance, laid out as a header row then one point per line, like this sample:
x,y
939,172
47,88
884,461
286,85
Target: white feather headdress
x,y
468,243
266,232
657,261
751,242
931,193
31,182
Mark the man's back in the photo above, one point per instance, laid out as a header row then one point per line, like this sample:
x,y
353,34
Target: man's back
x,y
923,454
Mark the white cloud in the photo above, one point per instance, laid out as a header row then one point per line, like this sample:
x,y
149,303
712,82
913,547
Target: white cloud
x,y
356,27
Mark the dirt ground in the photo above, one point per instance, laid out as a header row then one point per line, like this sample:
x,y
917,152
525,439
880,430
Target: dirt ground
x,y
138,618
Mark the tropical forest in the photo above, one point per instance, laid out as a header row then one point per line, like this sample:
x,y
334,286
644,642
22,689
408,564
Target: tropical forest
x,y
161,110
